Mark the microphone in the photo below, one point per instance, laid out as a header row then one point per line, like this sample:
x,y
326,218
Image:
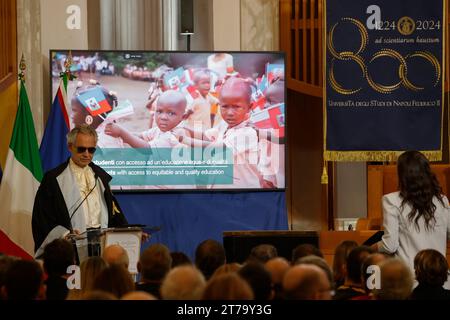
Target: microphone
x,y
79,205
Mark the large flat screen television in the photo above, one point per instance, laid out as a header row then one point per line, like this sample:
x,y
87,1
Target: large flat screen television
x,y
181,120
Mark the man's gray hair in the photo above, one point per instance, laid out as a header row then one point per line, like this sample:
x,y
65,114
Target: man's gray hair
x,y
183,283
396,280
84,129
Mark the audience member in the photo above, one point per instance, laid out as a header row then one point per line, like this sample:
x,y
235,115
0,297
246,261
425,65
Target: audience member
x,y
89,269
306,282
209,255
228,286
154,263
25,281
396,281
321,263
277,268
259,280
114,279
340,261
179,258
98,295
431,270
183,283
353,286
303,250
263,253
115,254
138,295
58,256
5,264
374,259
226,268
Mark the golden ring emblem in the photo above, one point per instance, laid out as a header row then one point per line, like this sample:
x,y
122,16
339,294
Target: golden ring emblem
x,y
406,26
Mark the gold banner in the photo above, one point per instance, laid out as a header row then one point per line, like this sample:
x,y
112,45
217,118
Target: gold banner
x,y
375,155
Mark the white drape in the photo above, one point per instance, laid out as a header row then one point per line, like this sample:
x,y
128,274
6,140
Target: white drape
x,y
131,24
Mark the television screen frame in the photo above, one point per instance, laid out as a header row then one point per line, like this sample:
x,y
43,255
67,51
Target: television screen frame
x,y
278,57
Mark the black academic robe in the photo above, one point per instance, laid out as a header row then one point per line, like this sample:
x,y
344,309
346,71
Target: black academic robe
x,y
50,209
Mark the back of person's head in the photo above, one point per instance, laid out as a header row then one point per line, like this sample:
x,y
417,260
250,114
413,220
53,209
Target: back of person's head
x,y
340,260
90,269
98,295
418,185
183,283
114,279
258,278
396,281
355,260
306,282
303,250
277,268
431,268
209,255
227,268
155,262
321,263
374,259
138,295
179,258
263,253
24,280
58,256
115,254
228,286
5,264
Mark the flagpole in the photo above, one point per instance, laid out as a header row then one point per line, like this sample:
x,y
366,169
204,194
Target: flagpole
x,y
21,178
67,75
53,148
22,67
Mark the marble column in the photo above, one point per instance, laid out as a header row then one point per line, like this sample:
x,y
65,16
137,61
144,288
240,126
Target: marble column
x,y
29,44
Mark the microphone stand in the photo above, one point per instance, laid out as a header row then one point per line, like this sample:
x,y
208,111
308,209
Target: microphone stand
x,y
74,211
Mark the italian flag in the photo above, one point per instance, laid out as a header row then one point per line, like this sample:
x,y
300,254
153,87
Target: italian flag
x,y
21,178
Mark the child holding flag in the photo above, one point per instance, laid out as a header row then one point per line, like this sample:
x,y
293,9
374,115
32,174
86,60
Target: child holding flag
x,y
91,105
170,112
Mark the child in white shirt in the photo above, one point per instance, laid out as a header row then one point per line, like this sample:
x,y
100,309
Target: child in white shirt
x,y
170,112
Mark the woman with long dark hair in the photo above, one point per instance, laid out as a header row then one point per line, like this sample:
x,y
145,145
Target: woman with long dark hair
x,y
418,216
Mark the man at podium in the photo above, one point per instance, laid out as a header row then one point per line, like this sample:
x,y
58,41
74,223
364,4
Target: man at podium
x,y
75,195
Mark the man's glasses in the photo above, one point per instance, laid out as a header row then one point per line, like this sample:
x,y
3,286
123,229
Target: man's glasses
x,y
91,150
